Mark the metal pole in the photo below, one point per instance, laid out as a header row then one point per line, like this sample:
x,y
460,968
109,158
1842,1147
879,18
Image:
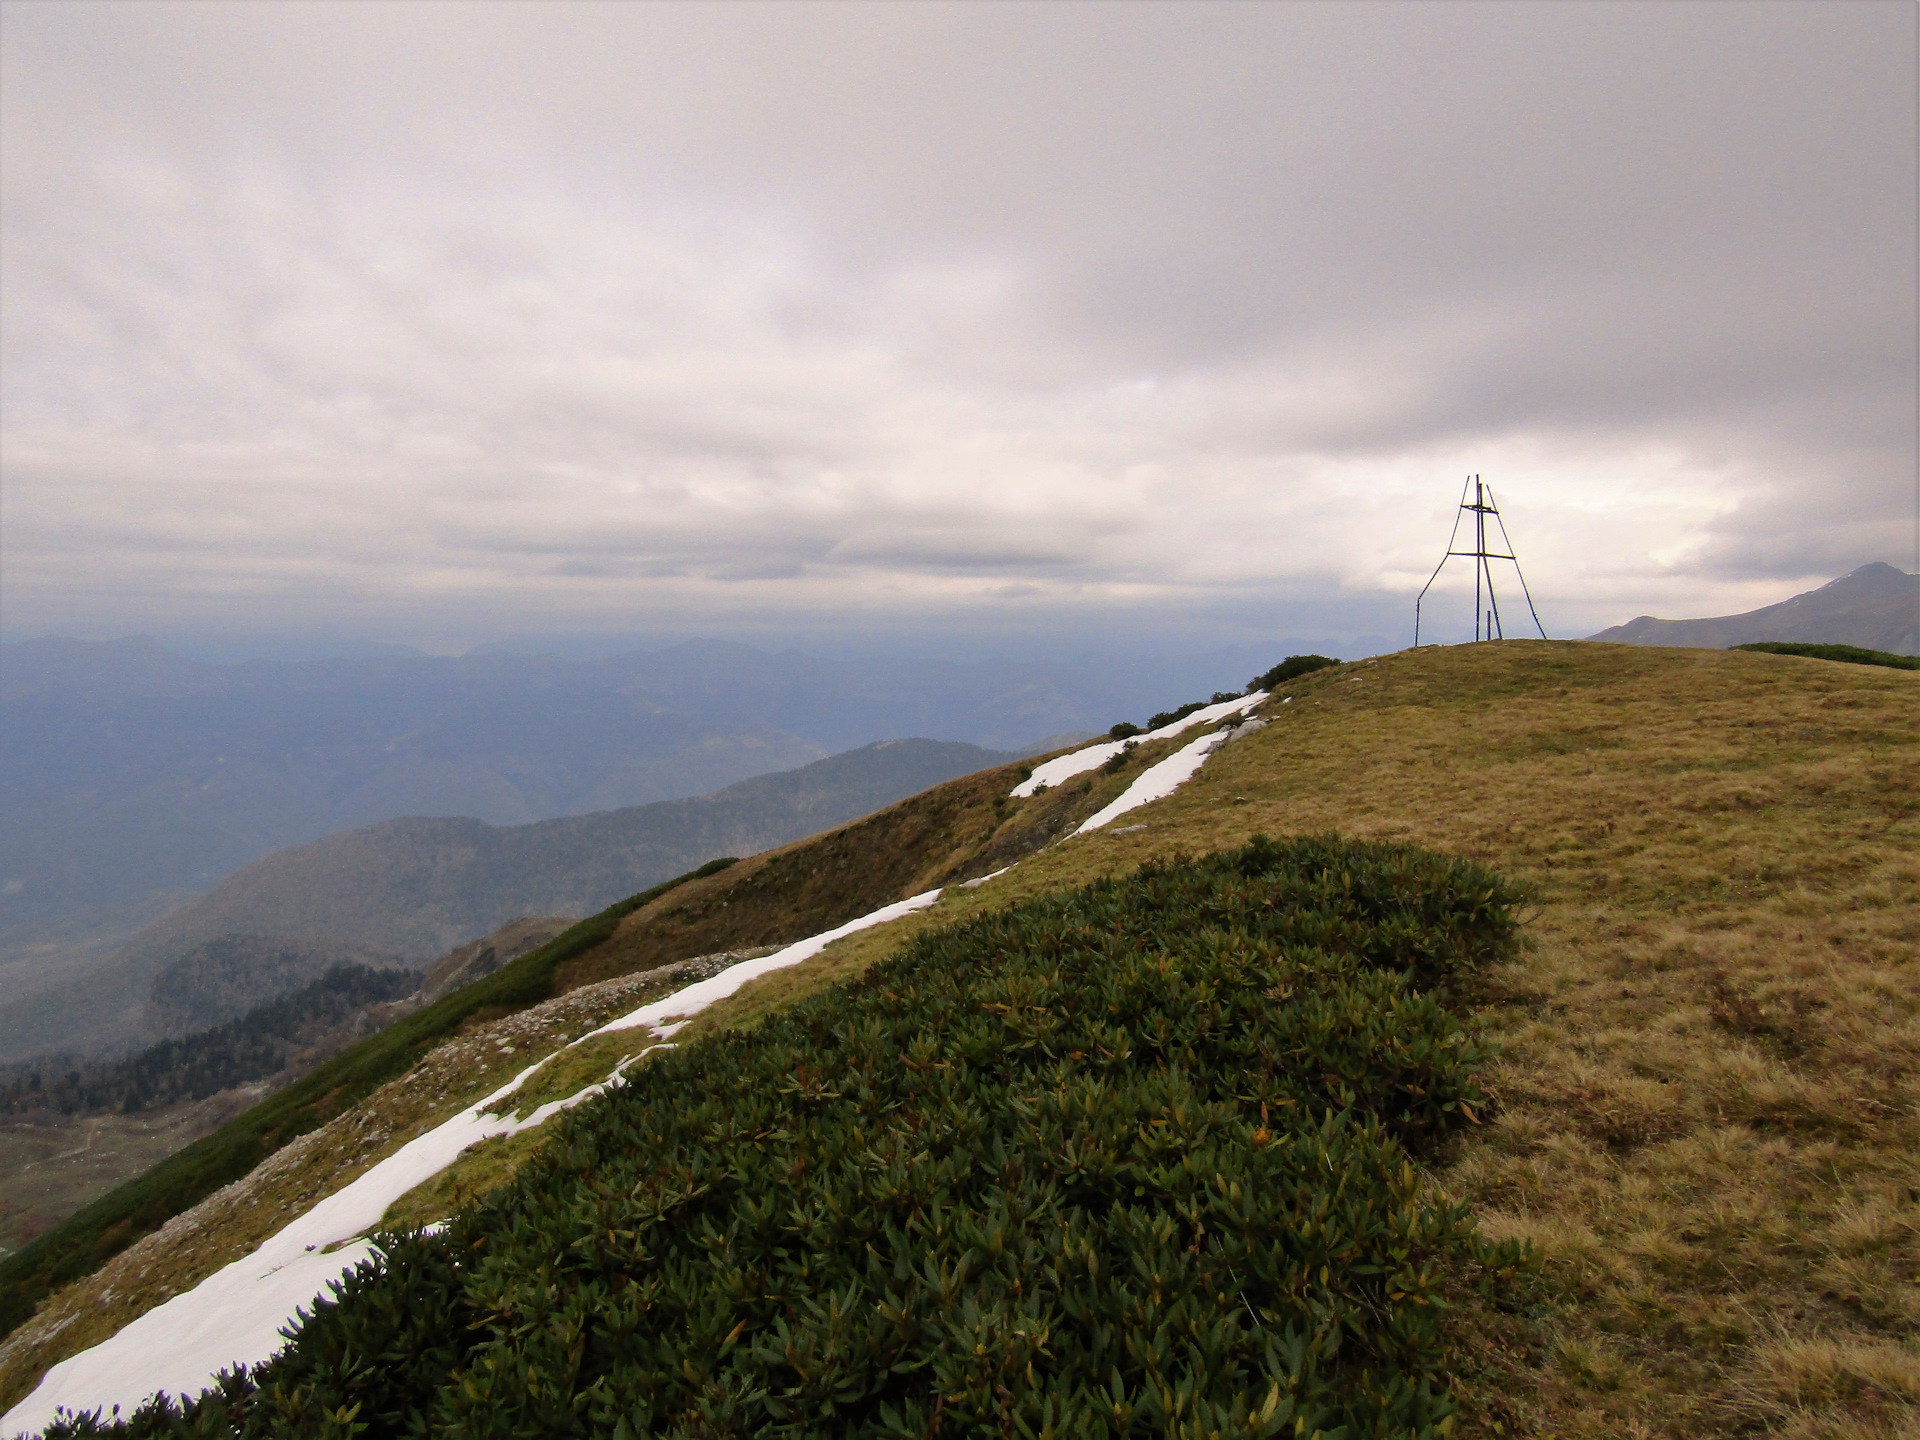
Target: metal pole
x,y
1507,540
1452,535
1480,553
1487,620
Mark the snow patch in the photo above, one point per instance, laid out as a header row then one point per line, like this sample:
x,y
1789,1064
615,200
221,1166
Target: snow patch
x,y
234,1316
1080,761
1160,781
664,1017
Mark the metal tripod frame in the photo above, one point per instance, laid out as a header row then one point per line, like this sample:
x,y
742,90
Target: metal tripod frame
x,y
1481,506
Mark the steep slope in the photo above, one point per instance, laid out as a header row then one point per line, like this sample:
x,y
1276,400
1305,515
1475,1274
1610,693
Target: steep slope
x,y
1173,1138
1703,1116
413,888
1876,607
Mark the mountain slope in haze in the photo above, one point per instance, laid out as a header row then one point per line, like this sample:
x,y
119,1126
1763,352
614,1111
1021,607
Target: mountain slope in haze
x,y
133,777
83,1127
1876,607
225,977
413,888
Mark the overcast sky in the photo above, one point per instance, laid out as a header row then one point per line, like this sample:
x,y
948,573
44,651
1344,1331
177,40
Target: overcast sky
x,y
943,325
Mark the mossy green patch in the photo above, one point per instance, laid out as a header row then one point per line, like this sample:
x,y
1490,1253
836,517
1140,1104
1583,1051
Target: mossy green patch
x,y
568,1072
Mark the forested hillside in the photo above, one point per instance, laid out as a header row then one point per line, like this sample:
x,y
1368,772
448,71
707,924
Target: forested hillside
x,y
259,1045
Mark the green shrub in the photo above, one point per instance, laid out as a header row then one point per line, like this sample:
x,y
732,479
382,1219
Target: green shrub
x,y
1125,730
1120,759
1167,717
1290,668
1126,1161
1846,654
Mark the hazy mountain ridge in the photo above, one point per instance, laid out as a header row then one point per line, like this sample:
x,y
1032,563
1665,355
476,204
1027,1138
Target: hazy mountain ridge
x,y
262,1045
1876,607
184,772
133,776
414,888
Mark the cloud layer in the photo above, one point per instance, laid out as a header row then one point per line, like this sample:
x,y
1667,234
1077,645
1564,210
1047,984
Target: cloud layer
x,y
434,324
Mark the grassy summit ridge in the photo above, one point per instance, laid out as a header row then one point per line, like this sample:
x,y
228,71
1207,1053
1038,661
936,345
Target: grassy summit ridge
x,y
1709,1045
1122,1161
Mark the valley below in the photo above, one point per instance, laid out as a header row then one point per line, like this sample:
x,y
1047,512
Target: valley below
x,y
56,1166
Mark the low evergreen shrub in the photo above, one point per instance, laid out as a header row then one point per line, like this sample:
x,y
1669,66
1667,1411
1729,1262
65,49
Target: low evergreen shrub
x,y
1167,717
1125,730
1290,668
1845,654
1129,1160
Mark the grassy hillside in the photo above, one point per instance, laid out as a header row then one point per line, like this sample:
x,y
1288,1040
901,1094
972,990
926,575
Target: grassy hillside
x,y
1703,1115
1706,1116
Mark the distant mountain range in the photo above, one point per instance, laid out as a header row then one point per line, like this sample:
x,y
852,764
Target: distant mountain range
x,y
1876,607
133,778
408,890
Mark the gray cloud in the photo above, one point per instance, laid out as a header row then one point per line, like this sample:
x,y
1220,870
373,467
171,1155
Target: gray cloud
x,y
434,321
